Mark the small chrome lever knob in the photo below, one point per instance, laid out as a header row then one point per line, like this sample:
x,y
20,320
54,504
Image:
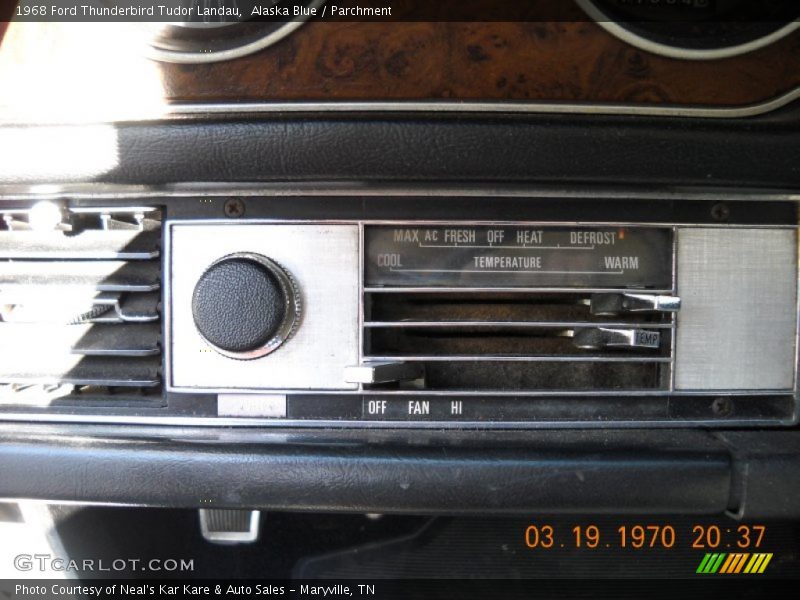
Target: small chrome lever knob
x,y
596,338
615,304
383,372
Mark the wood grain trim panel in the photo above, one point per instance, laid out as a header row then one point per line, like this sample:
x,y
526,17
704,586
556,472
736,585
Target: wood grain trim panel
x,y
100,71
564,62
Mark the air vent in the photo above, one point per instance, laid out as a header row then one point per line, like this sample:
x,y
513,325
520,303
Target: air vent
x,y
80,304
524,341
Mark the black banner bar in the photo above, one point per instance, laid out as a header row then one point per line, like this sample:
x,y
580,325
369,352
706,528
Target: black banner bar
x,y
700,587
221,12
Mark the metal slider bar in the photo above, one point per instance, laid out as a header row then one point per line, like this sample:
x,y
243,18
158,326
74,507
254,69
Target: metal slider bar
x,y
521,358
506,290
508,324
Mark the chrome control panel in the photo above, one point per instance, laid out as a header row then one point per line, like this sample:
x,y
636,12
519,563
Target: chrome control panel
x,y
350,308
431,322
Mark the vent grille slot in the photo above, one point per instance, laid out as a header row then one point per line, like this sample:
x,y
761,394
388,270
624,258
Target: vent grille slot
x,y
80,304
518,341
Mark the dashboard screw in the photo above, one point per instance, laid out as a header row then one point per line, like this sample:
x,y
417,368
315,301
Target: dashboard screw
x,y
721,407
234,208
720,212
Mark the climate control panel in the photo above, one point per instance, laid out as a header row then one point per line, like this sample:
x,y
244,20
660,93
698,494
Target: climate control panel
x,y
498,323
383,307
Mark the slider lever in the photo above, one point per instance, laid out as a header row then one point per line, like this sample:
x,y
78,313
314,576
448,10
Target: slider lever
x,y
383,372
605,337
614,304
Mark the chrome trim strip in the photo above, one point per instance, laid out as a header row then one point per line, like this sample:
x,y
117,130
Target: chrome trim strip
x,y
797,341
289,423
475,393
187,111
674,315
564,393
166,312
468,393
110,191
492,222
362,310
470,106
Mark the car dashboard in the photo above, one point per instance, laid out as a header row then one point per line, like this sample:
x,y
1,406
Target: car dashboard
x,y
469,258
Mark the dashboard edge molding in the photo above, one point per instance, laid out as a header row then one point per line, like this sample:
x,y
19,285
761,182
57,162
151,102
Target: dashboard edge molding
x,y
244,109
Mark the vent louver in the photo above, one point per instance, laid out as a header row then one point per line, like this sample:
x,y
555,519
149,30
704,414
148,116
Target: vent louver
x,y
526,341
80,303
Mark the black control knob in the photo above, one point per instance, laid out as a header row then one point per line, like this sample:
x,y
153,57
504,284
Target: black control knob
x,y
245,305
